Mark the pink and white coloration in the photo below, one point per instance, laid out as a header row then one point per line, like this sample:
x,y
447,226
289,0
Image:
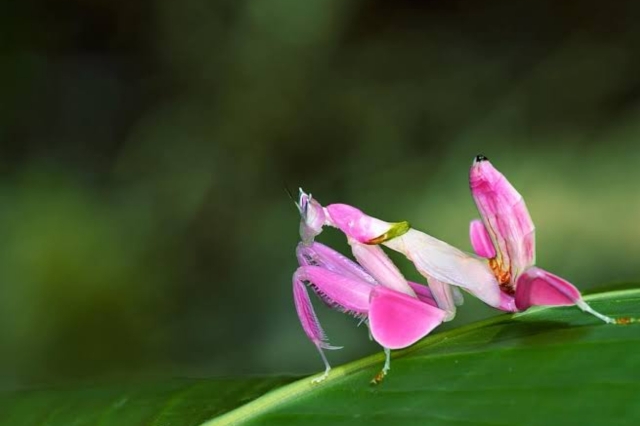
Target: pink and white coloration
x,y
395,319
372,258
506,237
398,312
443,265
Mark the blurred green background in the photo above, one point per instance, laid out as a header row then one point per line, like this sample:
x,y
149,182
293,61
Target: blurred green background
x,y
145,147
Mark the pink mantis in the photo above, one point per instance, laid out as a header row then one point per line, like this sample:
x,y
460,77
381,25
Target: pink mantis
x,y
399,312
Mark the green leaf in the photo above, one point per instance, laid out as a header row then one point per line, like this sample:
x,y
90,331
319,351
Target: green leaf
x,y
175,402
547,366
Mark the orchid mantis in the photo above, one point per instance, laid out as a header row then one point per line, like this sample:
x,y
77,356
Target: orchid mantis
x,y
506,237
398,312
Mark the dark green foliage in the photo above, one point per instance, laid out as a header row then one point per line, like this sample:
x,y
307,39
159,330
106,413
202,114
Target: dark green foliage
x,y
544,367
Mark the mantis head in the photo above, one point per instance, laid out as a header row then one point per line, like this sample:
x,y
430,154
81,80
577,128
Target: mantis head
x,y
312,217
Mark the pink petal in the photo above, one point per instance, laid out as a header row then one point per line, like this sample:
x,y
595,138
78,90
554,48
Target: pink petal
x,y
397,320
539,287
481,240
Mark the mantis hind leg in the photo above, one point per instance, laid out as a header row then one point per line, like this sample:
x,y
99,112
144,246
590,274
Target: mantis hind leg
x,y
542,288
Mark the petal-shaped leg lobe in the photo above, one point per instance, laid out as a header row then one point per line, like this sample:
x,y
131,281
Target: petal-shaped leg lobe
x,y
397,320
507,303
444,296
539,287
424,293
342,292
481,240
377,263
317,254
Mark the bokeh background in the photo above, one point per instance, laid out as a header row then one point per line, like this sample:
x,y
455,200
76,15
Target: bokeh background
x,y
145,147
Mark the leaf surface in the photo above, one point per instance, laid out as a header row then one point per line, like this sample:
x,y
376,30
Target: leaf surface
x,y
546,366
